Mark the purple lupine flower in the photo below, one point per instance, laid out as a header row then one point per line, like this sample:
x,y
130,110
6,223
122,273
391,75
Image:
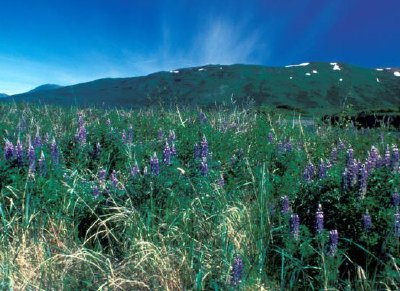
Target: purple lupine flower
x,y
387,156
334,155
130,134
373,156
31,158
55,155
322,167
113,178
345,180
160,134
173,150
319,219
167,154
171,136
285,204
81,134
204,167
154,165
95,191
135,170
270,137
288,146
123,137
341,145
8,150
102,175
108,122
81,120
295,225
395,199
367,221
196,151
363,181
309,172
204,147
19,153
333,242
38,140
202,117
237,271
42,164
397,224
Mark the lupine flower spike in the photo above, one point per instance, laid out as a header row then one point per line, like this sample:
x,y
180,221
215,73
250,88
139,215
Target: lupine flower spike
x,y
237,271
333,242
154,165
295,225
367,221
285,204
319,219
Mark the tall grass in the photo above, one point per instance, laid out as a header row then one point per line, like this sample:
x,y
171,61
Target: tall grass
x,y
69,227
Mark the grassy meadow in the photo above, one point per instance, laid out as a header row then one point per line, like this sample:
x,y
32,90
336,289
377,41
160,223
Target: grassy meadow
x,y
229,198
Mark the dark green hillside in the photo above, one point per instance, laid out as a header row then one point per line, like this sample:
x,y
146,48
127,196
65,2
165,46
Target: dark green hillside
x,y
45,87
312,88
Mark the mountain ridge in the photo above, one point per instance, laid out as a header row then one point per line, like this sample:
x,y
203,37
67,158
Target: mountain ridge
x,y
310,87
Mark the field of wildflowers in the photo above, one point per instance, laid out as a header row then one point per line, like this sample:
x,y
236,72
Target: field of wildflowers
x,y
226,198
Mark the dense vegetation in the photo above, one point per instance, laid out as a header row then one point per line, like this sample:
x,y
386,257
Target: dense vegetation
x,y
182,199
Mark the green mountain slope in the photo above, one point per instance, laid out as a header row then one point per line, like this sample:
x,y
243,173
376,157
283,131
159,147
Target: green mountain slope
x,y
45,87
313,88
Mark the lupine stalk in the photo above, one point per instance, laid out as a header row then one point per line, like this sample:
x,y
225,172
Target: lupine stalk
x,y
130,134
367,221
42,165
31,158
309,172
113,178
334,155
19,153
8,150
38,141
285,204
154,165
123,137
167,154
54,152
135,170
202,117
319,219
204,167
171,136
204,147
102,175
237,271
173,150
333,242
363,181
322,169
95,191
295,225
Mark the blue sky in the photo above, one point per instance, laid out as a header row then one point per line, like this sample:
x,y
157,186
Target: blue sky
x,y
68,42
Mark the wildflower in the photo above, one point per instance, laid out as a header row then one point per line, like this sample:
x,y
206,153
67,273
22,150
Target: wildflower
x,y
113,178
367,221
322,168
309,172
81,134
395,199
285,204
319,219
54,152
31,158
19,153
333,242
42,164
395,157
221,181
8,150
237,271
108,122
204,147
349,156
135,170
204,167
102,175
167,154
294,225
154,165
38,141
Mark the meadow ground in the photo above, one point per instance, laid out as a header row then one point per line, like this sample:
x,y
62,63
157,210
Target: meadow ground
x,y
228,198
